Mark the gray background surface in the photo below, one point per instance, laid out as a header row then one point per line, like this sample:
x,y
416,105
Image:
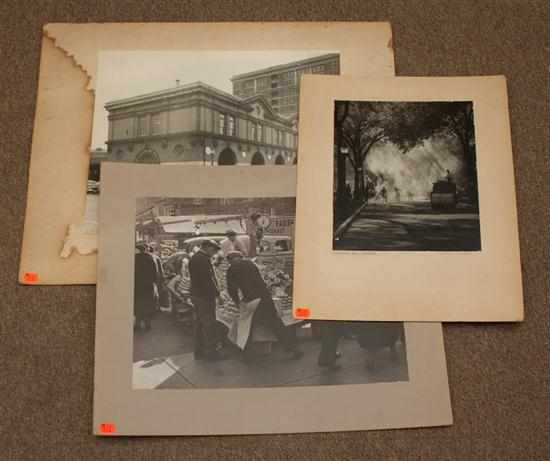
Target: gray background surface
x,y
499,374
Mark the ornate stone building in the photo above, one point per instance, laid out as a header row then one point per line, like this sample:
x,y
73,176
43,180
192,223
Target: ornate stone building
x,y
199,124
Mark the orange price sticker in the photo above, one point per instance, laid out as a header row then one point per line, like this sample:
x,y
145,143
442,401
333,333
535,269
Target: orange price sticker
x,y
30,277
107,428
302,312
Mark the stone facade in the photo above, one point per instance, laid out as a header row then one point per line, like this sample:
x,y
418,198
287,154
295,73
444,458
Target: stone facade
x,y
199,124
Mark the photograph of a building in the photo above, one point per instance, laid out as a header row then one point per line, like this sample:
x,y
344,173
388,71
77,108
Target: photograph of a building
x,y
250,118
198,123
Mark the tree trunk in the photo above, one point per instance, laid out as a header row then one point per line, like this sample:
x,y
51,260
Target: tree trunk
x,y
340,159
359,185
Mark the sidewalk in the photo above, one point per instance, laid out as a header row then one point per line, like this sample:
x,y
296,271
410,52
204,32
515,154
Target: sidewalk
x,y
410,226
182,371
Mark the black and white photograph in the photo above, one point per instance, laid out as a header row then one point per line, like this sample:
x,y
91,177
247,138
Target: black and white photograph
x,y
405,176
213,307
209,108
199,107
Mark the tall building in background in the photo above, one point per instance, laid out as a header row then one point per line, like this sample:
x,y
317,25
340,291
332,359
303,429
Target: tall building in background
x,y
280,85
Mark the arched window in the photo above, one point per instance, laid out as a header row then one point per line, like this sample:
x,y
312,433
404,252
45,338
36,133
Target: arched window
x,y
257,159
227,157
147,156
280,160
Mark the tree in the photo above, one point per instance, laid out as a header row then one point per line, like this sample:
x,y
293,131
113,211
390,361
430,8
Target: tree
x,y
407,125
340,114
415,122
365,125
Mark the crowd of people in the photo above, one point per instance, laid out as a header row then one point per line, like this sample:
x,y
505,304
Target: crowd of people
x,y
215,272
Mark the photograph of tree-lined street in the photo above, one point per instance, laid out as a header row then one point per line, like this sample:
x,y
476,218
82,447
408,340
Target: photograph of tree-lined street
x,y
405,176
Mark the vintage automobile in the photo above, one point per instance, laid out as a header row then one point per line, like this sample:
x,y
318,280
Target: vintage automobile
x,y
267,244
275,244
93,187
443,195
195,242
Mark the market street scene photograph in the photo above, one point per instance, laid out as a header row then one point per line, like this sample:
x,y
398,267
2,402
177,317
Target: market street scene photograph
x,y
405,177
213,304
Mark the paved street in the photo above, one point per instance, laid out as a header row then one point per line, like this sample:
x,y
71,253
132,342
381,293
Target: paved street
x,y
411,226
163,359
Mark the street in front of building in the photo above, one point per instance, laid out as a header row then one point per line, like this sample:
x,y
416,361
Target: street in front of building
x,y
412,226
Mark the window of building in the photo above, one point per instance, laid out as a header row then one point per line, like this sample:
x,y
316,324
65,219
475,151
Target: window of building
x,y
259,133
230,125
142,126
262,83
170,210
221,124
156,124
252,131
288,78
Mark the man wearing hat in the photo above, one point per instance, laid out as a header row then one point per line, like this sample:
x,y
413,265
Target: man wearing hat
x,y
204,291
232,243
245,276
145,277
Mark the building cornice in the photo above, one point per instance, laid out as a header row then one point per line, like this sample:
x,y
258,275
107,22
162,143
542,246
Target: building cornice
x,y
282,67
198,93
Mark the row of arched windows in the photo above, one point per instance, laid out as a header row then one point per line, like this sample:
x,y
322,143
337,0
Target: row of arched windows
x,y
226,157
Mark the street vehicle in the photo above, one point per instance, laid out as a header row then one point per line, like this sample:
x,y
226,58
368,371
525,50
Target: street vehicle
x,y
195,242
275,244
268,243
443,195
93,187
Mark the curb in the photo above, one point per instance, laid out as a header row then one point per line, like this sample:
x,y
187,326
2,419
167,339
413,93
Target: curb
x,y
344,226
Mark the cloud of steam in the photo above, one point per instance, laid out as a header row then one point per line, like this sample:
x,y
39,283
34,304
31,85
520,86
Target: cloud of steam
x,y
410,176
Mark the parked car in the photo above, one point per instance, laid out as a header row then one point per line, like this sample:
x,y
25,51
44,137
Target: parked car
x,y
193,242
93,187
275,244
267,244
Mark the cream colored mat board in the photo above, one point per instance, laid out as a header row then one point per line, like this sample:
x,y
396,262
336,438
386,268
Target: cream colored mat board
x,y
388,285
55,216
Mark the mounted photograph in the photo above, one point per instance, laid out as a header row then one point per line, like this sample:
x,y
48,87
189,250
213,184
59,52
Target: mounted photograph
x,y
184,93
195,316
405,176
406,198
